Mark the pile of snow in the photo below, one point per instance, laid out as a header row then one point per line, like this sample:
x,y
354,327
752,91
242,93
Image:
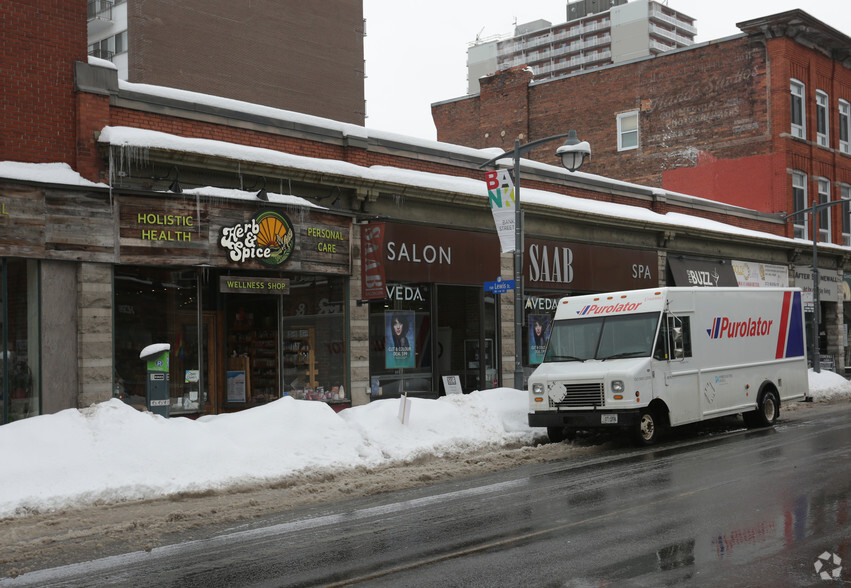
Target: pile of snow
x,y
110,452
827,385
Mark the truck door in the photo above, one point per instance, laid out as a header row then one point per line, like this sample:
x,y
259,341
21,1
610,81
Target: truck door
x,y
677,380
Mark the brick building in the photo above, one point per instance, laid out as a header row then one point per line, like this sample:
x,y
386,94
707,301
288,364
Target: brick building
x,y
274,251
712,120
301,56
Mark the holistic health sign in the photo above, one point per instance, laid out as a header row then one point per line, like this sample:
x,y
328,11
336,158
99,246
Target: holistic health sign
x,y
503,206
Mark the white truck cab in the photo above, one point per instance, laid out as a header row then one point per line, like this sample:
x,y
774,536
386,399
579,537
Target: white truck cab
x,y
649,359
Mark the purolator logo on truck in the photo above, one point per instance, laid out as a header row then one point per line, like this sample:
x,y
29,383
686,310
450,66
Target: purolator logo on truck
x,y
609,308
724,327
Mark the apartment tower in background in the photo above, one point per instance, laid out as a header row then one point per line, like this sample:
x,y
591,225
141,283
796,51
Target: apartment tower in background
x,y
597,33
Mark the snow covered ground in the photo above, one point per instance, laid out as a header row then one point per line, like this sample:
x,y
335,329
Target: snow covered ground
x,y
111,453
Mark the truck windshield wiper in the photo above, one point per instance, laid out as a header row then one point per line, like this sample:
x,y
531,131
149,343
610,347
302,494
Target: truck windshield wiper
x,y
566,358
624,354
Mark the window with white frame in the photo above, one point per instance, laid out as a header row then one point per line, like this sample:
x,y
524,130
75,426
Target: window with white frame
x,y
628,130
799,119
844,126
824,213
822,119
799,201
845,194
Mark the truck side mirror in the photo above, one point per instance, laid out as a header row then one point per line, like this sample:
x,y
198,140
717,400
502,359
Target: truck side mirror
x,y
675,328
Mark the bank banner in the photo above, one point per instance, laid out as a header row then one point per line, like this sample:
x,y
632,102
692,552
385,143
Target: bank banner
x,y
399,332
372,261
502,203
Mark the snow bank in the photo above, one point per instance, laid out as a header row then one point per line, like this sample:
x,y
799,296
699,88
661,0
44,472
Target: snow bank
x,y
111,452
828,385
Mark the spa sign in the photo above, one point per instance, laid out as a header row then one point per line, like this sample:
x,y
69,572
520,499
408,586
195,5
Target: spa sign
x,y
268,238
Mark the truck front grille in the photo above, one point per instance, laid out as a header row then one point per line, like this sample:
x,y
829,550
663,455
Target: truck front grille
x,y
576,395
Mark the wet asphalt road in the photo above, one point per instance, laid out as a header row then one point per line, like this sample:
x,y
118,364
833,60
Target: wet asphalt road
x,y
742,508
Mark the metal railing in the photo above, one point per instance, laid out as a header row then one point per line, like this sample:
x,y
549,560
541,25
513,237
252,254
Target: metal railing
x,y
102,54
100,9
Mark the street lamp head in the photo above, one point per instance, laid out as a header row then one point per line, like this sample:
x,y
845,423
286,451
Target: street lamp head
x,y
573,152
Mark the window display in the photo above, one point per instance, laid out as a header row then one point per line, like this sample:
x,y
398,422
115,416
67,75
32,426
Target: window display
x,y
19,357
231,350
155,305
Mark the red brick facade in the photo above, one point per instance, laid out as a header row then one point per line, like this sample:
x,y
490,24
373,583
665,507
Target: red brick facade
x,y
714,120
39,44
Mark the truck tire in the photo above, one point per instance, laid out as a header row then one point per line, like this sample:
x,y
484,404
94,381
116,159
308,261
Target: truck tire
x,y
648,429
767,411
556,434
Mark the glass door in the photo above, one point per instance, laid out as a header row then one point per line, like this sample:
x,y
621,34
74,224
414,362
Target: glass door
x,y
467,336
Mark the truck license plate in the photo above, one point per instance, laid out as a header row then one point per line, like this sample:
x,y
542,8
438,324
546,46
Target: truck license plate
x,y
608,419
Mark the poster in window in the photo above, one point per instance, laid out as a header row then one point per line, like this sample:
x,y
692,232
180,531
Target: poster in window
x,y
236,386
539,334
399,334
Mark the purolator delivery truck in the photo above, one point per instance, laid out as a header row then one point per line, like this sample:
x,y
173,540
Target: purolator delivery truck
x,y
645,360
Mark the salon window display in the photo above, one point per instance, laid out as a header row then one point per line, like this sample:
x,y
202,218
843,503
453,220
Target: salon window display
x,y
399,334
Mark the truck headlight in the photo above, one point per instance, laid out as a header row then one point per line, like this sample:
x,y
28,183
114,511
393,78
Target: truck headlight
x,y
617,386
537,389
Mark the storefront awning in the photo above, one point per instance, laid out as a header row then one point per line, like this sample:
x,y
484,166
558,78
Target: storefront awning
x,y
689,271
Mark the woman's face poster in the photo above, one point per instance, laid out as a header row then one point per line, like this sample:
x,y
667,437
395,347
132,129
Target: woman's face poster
x,y
539,333
399,335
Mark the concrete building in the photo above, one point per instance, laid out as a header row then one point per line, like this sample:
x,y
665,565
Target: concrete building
x,y
301,56
597,33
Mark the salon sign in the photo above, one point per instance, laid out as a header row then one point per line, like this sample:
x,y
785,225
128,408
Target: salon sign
x,y
268,238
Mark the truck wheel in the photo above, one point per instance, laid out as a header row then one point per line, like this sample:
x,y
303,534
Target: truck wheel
x,y
556,434
767,411
648,429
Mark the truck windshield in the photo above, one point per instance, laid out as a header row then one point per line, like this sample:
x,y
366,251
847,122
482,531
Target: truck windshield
x,y
605,337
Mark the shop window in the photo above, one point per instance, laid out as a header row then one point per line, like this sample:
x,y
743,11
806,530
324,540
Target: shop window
x,y
291,343
799,201
155,305
844,126
400,345
20,369
539,311
799,121
822,119
313,342
627,130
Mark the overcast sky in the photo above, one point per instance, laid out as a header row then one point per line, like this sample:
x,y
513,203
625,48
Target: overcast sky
x,y
416,52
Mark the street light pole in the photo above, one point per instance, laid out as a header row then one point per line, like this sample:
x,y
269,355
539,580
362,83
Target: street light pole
x,y
572,154
814,210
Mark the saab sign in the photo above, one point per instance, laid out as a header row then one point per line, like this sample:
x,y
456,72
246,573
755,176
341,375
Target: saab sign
x,y
562,265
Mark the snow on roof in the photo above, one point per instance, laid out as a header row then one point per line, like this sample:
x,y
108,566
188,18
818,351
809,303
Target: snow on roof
x,y
142,138
48,173
233,194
